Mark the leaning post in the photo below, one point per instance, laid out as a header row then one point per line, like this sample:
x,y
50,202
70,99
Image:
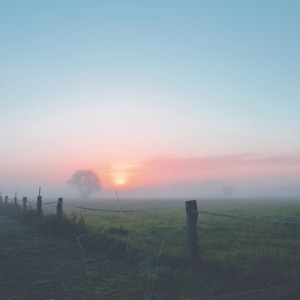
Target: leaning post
x,y
191,227
59,209
39,211
6,199
24,204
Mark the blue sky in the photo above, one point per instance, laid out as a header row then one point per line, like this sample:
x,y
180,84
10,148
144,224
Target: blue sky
x,y
116,82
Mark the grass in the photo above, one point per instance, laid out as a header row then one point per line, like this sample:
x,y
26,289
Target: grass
x,y
150,248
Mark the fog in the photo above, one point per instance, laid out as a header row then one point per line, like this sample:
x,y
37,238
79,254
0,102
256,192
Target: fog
x,y
81,187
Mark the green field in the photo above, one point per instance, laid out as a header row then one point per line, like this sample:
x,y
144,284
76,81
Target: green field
x,y
234,255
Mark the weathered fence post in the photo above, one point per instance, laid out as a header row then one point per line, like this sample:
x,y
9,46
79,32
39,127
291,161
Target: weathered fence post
x,y
24,204
15,199
6,199
59,209
39,211
1,198
191,227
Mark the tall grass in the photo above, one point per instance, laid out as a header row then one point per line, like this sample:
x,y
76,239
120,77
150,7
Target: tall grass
x,y
234,255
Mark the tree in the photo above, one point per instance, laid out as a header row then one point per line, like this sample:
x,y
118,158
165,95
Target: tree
x,y
86,181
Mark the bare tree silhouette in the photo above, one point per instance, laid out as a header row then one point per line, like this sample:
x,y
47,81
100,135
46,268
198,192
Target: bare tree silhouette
x,y
86,181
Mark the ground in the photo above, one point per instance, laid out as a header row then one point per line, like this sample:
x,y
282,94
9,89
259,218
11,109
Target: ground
x,y
143,256
36,266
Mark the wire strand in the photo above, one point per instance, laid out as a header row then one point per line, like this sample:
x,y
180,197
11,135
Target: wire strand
x,y
244,218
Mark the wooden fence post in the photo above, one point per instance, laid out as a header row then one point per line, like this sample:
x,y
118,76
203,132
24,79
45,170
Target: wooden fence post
x,y
24,204
1,198
59,209
39,204
15,199
191,227
6,199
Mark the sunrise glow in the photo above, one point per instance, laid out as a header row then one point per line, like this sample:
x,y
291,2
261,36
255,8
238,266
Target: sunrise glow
x,y
120,173
120,181
163,98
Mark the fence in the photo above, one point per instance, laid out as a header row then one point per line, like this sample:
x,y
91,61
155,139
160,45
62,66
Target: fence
x,y
190,208
289,291
191,228
39,204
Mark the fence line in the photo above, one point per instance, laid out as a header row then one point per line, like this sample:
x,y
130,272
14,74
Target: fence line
x,y
128,211
50,202
182,209
195,211
276,292
244,218
167,210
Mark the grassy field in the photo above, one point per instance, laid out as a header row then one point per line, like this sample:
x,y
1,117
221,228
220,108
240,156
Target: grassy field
x,y
150,248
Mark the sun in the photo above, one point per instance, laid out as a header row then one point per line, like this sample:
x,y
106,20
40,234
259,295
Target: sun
x,y
120,181
121,174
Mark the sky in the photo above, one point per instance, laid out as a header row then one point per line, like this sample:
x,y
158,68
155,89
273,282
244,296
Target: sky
x,y
159,98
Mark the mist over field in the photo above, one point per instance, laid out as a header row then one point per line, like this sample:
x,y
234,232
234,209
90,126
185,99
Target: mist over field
x,y
158,100
164,136
214,190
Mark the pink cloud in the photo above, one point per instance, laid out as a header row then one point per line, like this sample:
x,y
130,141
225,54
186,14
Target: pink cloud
x,y
170,169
